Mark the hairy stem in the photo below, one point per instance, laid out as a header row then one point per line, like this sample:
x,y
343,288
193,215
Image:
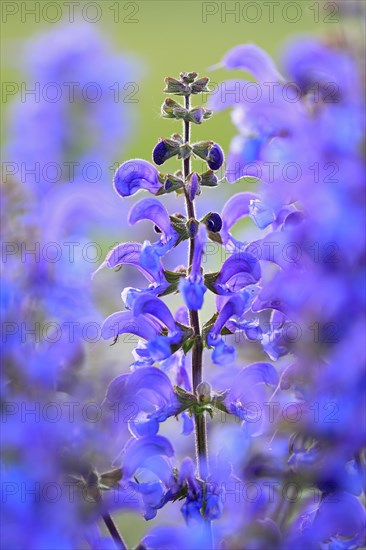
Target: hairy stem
x,y
115,534
197,348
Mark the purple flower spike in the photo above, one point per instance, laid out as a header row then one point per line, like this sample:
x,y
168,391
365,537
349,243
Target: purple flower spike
x,y
215,157
256,61
134,175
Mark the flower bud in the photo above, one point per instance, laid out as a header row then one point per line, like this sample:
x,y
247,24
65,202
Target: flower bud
x,y
201,149
215,157
208,179
172,183
192,227
185,151
196,115
193,186
188,78
176,87
165,149
203,391
213,222
200,85
172,109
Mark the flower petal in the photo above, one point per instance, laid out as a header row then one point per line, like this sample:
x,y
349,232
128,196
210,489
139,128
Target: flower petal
x,y
234,209
192,292
152,378
134,175
253,59
228,94
199,243
123,322
129,254
146,303
138,451
235,306
153,210
237,271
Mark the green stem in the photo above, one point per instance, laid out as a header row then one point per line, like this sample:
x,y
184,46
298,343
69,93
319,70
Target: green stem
x,y
197,348
115,534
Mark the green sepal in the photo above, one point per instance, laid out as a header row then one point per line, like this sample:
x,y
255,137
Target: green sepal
x,y
110,479
218,401
209,179
173,276
200,409
188,78
185,151
200,85
180,226
209,279
177,137
175,184
172,145
181,494
169,290
211,321
162,178
176,87
185,397
216,237
187,345
187,336
172,109
201,149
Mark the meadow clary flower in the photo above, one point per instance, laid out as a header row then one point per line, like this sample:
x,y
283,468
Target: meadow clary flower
x,y
224,354
134,175
153,210
152,394
238,271
193,287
